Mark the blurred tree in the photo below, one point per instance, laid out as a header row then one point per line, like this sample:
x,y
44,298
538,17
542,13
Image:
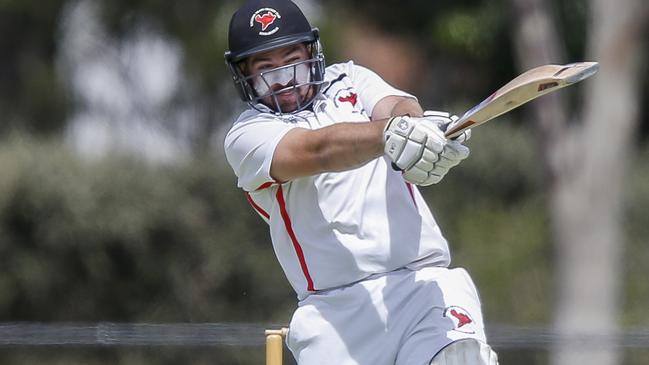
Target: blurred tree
x,y
119,240
148,77
586,164
201,28
457,41
30,96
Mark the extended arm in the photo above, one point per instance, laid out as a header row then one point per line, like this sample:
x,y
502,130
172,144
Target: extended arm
x,y
339,147
393,106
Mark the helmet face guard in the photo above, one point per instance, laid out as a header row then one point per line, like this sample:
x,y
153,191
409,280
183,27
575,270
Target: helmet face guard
x,y
261,26
301,81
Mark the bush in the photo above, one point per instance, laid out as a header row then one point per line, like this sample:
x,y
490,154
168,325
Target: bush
x,y
121,240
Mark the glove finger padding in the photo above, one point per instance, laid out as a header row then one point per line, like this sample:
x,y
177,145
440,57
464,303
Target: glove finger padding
x,y
440,118
420,177
462,137
408,139
423,174
453,153
416,175
445,121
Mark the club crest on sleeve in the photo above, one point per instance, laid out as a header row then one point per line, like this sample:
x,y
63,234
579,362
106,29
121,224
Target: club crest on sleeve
x,y
347,97
351,98
461,319
265,18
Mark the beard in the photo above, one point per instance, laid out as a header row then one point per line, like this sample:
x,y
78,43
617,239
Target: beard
x,y
289,100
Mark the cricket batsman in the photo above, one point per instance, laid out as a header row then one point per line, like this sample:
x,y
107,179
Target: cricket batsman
x,y
331,157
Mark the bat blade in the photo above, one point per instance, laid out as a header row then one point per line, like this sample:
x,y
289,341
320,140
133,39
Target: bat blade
x,y
526,87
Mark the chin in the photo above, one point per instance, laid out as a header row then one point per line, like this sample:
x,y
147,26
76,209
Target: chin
x,y
288,106
287,103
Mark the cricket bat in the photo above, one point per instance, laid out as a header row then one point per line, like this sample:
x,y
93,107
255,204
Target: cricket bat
x,y
526,87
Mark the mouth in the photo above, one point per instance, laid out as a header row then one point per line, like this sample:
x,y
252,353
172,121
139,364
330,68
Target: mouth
x,y
286,97
287,92
284,89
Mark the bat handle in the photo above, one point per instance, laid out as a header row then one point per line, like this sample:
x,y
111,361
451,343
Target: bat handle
x,y
444,128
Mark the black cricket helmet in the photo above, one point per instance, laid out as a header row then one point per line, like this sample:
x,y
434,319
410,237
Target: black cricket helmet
x,y
264,25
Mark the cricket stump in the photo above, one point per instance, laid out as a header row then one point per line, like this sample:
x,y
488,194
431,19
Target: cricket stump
x,y
275,346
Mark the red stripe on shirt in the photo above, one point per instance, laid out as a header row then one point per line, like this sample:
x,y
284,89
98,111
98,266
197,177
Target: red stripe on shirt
x,y
265,185
296,244
412,193
256,207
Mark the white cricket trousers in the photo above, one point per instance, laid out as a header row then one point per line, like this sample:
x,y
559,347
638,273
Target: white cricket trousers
x,y
400,318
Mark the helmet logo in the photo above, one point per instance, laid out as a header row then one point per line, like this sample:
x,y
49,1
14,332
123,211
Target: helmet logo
x,y
265,17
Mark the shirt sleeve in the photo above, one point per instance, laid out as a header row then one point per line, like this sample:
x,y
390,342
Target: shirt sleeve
x,y
249,148
371,87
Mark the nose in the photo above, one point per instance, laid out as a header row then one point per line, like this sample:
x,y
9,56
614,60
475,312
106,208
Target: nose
x,y
274,80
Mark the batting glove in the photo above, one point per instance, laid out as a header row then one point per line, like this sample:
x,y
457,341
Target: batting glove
x,y
410,141
428,171
444,121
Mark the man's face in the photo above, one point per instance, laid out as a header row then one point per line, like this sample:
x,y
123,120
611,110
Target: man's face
x,y
277,80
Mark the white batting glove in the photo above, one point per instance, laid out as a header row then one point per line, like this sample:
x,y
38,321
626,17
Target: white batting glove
x,y
428,172
445,120
410,141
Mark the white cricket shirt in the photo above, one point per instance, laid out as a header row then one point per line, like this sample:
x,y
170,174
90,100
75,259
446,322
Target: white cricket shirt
x,y
335,228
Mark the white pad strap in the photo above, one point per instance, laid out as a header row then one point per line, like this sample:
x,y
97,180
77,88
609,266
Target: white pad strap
x,y
466,352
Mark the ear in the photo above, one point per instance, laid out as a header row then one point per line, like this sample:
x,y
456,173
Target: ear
x,y
243,67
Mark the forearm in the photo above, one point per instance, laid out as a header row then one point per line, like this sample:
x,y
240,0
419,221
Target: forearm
x,y
339,147
393,106
348,145
407,106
